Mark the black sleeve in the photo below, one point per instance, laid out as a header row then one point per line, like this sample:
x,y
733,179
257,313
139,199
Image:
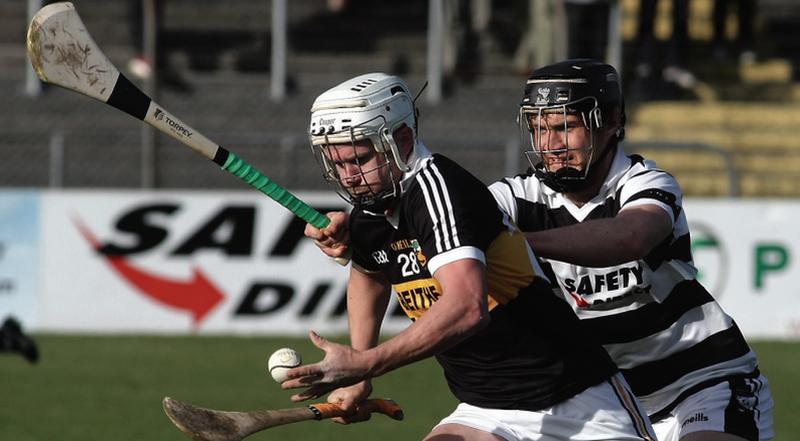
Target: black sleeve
x,y
449,208
359,257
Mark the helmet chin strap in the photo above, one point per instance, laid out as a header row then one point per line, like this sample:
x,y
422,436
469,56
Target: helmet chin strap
x,y
569,179
558,183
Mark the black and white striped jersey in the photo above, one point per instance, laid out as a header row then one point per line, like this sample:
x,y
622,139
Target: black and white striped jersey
x,y
532,354
663,329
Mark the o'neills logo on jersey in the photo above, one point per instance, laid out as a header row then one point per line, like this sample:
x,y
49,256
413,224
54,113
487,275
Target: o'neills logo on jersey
x,y
413,244
400,245
606,287
696,418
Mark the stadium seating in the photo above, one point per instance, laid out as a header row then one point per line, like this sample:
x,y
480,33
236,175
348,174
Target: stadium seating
x,y
747,111
222,50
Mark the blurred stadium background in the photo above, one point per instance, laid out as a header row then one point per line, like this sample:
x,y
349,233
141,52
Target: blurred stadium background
x,y
746,112
730,137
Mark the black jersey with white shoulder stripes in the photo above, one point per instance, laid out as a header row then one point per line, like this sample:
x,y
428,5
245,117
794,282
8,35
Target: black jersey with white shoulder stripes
x,y
666,333
534,352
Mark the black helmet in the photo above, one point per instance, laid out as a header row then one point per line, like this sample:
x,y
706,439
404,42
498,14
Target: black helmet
x,y
570,82
585,86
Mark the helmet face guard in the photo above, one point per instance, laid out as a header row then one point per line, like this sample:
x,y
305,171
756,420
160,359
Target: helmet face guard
x,y
537,139
363,112
328,151
584,87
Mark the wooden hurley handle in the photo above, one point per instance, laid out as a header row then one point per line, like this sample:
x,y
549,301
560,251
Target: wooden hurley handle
x,y
386,407
201,424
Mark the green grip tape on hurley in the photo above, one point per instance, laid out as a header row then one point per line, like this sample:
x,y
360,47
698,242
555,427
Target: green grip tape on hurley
x,y
249,174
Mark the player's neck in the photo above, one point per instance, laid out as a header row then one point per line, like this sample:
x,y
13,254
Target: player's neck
x,y
580,198
392,207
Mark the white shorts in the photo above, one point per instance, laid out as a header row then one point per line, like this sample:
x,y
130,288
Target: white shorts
x,y
607,411
740,406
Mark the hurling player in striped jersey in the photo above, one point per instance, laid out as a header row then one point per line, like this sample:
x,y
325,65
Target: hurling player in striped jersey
x,y
514,355
613,238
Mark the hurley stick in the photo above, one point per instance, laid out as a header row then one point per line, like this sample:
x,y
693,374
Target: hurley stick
x,y
202,424
63,53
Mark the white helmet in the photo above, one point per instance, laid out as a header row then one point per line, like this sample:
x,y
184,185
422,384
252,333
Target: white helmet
x,y
370,106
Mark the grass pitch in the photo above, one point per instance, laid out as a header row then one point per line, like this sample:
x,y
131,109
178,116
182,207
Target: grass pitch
x,y
110,388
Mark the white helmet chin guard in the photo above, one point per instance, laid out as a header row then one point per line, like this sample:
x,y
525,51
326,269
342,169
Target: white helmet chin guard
x,y
370,106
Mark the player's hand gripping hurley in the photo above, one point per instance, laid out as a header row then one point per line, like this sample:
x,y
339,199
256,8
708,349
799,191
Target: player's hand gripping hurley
x,y
63,53
202,424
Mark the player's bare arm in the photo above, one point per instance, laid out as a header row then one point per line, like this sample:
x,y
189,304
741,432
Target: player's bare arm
x,y
461,311
630,235
367,299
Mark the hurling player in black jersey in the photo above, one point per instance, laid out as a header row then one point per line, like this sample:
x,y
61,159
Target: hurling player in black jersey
x,y
514,354
614,240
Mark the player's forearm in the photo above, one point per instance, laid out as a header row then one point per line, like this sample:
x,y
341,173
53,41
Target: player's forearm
x,y
594,244
631,235
460,312
425,338
367,300
365,324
